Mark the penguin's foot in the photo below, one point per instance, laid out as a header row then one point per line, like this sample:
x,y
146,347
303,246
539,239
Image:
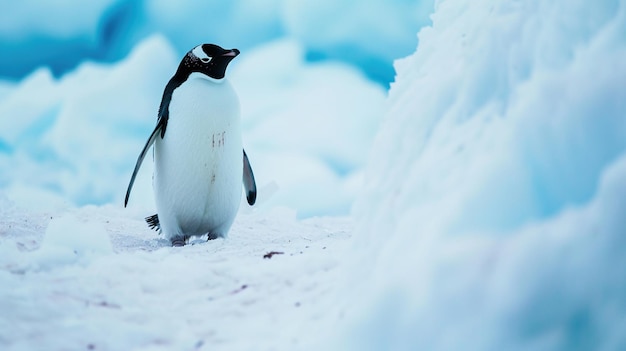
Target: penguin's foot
x,y
179,241
153,222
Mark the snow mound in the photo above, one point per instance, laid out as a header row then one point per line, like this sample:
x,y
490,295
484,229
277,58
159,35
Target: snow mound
x,y
57,34
76,138
68,240
369,35
308,126
493,212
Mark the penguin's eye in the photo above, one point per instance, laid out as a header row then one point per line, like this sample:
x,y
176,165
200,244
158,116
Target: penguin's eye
x,y
206,59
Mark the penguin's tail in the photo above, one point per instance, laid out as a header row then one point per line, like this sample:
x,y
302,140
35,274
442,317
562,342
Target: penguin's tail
x,y
153,222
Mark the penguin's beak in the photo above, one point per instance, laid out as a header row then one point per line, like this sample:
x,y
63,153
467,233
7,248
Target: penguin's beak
x,y
231,53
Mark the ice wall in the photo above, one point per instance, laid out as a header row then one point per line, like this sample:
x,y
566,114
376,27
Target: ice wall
x,y
495,203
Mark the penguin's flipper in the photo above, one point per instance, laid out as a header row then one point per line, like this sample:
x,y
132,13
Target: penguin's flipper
x,y
248,180
159,127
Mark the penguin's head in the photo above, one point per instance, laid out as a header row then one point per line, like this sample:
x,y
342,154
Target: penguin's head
x,y
208,59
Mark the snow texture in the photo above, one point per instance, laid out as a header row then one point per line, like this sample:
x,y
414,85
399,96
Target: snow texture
x,y
98,279
493,211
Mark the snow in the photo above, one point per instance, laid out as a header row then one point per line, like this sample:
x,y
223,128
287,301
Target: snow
x,y
307,127
79,137
59,33
100,279
241,24
492,215
62,34
367,34
68,241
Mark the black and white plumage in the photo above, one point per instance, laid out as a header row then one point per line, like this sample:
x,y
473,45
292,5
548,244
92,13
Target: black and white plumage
x,y
198,154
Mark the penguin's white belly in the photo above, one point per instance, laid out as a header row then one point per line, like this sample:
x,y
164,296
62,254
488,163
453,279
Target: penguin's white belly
x,y
198,164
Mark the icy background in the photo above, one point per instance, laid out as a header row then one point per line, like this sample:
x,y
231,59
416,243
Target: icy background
x,y
490,178
80,83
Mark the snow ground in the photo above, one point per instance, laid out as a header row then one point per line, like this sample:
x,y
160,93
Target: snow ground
x,y
143,294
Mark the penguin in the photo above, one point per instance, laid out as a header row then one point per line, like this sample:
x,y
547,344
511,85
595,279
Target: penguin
x,y
200,163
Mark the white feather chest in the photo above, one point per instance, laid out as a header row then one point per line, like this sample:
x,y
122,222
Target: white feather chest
x,y
198,164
